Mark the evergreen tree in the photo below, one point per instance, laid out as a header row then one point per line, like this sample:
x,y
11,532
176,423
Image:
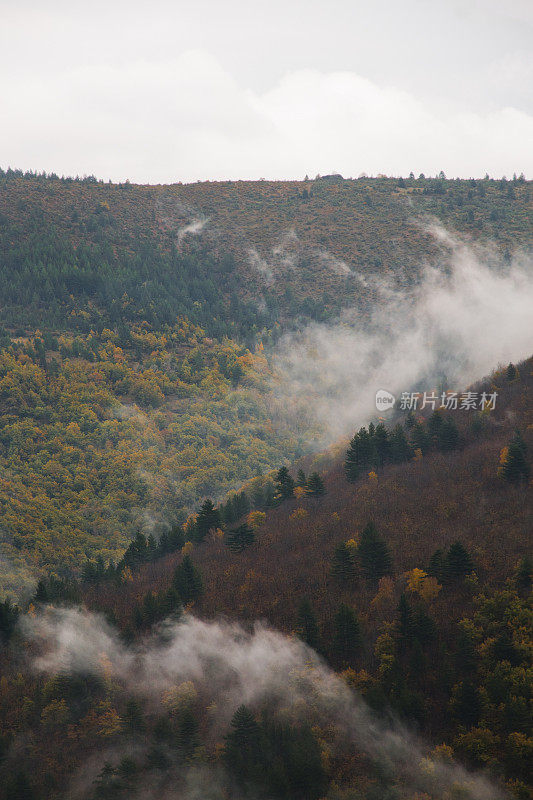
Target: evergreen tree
x,y
374,555
448,436
420,437
242,747
315,485
284,484
307,624
351,465
458,562
9,614
347,639
381,445
512,372
208,519
301,479
400,449
187,732
405,623
523,574
515,467
438,567
188,581
343,564
466,703
240,538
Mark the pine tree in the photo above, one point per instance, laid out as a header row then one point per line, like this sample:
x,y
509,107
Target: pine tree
x,y
284,484
458,562
307,625
438,567
373,553
343,564
515,467
420,437
242,747
512,372
301,479
381,445
351,465
187,732
208,519
523,574
188,581
400,449
240,538
448,436
347,639
405,623
315,485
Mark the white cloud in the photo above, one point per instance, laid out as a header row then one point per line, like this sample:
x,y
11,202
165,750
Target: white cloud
x,y
188,119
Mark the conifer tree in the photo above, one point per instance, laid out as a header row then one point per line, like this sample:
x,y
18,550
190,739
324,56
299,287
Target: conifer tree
x,y
242,748
240,538
315,485
400,449
301,479
458,562
347,638
374,555
523,574
208,519
343,564
515,467
307,625
351,464
284,484
381,445
188,581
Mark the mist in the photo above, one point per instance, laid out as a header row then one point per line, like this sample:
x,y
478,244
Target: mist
x,y
471,310
230,666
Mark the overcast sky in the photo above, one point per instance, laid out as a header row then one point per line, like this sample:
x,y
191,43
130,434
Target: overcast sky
x,y
211,89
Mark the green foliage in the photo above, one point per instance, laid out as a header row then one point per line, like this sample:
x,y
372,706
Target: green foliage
x,y
188,581
307,624
515,467
238,539
208,519
343,564
284,484
281,760
347,637
374,555
315,485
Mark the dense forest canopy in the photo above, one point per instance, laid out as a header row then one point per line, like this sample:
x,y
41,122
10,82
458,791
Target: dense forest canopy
x,y
152,491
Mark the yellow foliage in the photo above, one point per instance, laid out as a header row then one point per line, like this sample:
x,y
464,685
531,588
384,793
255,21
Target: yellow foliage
x,y
385,595
255,519
299,492
418,454
298,513
373,477
426,586
187,548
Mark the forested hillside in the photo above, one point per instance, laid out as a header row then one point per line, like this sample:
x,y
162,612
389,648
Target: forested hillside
x,y
402,558
137,327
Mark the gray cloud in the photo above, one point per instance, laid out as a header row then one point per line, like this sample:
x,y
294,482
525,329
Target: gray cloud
x,y
171,92
468,313
234,666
